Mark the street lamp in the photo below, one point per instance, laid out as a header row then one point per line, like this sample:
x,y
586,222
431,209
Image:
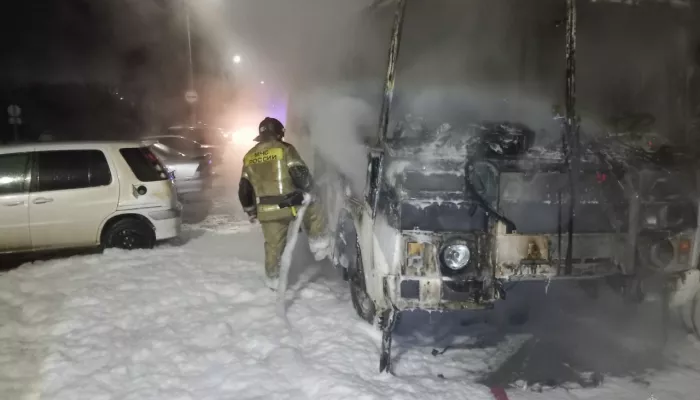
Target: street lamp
x,y
236,61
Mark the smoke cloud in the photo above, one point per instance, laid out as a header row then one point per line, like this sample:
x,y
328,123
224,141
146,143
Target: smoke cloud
x,y
316,55
460,62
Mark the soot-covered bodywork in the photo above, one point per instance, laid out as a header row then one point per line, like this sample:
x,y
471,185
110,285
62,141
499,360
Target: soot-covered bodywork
x,y
449,215
485,197
661,187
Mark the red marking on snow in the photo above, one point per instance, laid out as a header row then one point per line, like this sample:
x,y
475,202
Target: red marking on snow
x,y
499,393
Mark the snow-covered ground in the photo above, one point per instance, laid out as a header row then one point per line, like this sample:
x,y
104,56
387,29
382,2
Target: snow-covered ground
x,y
193,320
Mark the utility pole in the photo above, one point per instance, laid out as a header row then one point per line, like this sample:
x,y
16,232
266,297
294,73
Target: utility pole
x,y
191,99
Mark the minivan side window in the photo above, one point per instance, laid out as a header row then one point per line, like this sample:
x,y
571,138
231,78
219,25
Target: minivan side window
x,y
70,169
13,171
144,164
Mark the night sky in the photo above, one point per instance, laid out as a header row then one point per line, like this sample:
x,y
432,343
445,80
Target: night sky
x,y
99,40
55,40
140,46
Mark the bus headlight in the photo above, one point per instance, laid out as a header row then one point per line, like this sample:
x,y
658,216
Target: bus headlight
x,y
455,255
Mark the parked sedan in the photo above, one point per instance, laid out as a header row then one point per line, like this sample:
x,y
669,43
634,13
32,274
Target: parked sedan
x,y
190,147
192,173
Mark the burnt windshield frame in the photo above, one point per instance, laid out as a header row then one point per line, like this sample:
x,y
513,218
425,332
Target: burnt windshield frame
x,y
432,182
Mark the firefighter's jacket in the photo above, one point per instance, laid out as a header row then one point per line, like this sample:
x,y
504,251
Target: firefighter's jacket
x,y
272,169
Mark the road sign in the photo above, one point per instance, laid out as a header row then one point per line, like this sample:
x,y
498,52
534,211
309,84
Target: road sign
x,y
14,111
191,96
15,121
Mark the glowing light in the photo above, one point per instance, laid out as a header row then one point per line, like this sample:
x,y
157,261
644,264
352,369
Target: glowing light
x,y
244,136
277,108
237,59
262,82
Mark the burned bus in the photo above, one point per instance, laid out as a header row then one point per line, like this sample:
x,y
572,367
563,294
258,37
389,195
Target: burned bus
x,y
453,210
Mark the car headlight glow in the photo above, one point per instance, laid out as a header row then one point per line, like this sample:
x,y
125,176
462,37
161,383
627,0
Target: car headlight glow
x,y
456,255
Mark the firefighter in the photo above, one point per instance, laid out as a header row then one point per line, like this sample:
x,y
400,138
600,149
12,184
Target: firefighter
x,y
272,186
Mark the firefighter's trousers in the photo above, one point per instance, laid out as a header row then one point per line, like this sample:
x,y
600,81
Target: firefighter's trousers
x,y
275,234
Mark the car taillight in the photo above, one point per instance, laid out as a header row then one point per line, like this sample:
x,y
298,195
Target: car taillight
x,y
153,159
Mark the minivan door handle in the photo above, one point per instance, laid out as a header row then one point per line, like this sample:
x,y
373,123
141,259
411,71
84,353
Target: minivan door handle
x,y
42,200
13,203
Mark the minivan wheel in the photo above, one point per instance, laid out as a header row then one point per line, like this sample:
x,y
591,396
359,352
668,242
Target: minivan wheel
x,y
363,304
129,234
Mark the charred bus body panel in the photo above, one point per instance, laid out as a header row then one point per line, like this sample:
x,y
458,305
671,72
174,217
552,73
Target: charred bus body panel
x,y
510,225
448,216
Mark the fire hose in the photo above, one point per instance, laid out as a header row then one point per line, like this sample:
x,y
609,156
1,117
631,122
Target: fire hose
x,y
294,200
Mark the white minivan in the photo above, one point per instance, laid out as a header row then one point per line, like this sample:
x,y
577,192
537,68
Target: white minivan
x,y
84,194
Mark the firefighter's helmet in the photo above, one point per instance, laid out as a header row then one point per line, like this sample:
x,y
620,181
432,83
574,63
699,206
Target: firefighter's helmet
x,y
270,128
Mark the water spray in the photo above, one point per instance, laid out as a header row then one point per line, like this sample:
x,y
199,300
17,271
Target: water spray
x,y
286,261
